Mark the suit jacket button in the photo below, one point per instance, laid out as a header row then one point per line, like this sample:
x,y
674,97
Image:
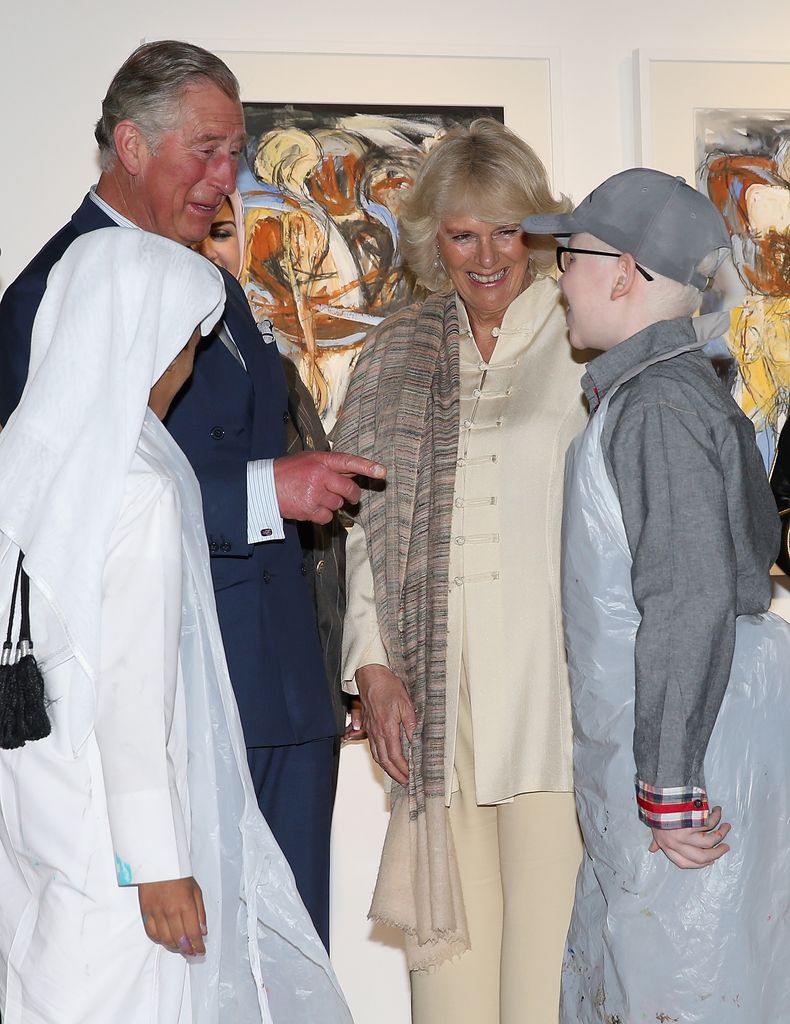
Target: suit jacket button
x,y
320,566
213,547
285,417
217,433
267,576
303,569
225,546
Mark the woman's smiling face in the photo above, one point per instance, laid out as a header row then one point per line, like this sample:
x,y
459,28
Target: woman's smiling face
x,y
486,262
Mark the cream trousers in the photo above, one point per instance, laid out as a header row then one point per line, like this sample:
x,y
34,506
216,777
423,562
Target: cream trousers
x,y
518,864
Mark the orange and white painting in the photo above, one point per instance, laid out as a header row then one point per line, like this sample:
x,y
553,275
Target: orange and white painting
x,y
743,164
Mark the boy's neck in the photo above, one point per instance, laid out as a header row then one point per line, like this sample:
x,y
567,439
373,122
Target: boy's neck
x,y
633,322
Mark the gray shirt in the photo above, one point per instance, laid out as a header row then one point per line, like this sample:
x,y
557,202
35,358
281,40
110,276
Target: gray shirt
x,y
703,532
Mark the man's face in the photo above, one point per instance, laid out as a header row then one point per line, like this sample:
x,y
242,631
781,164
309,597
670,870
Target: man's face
x,y
182,183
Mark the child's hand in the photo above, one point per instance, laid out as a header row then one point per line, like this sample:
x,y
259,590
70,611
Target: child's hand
x,y
173,915
693,847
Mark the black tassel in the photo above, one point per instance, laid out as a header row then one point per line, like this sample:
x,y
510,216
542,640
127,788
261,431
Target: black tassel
x,y
23,710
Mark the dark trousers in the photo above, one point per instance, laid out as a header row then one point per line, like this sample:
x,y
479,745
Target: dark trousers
x,y
295,789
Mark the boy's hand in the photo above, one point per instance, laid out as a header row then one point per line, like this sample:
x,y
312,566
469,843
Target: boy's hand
x,y
174,915
693,847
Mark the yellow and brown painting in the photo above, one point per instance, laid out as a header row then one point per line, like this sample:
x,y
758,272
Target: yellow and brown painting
x,y
743,164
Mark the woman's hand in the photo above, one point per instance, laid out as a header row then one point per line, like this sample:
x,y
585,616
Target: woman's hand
x,y
693,847
386,707
174,915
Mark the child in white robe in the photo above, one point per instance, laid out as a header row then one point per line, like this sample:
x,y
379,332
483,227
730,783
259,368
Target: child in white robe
x,y
139,881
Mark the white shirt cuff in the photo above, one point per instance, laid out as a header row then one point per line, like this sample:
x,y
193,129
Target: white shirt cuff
x,y
264,521
149,837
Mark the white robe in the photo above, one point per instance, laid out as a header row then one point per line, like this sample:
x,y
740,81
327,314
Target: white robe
x,y
143,778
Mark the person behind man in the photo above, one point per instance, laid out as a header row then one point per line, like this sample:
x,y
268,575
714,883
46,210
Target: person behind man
x,y
323,544
170,136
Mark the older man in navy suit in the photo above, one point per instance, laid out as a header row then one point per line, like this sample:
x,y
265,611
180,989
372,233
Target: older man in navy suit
x,y
170,136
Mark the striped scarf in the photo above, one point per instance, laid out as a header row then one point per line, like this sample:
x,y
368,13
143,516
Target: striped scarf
x,y
402,410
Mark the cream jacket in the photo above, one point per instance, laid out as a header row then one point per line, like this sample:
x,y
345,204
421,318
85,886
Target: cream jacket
x,y
518,414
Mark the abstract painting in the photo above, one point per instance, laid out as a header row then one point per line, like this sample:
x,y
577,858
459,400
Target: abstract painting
x,y
322,187
743,164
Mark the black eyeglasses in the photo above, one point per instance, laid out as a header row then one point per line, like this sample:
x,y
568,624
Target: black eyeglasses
x,y
563,249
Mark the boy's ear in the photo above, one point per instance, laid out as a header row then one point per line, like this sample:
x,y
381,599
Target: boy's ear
x,y
625,276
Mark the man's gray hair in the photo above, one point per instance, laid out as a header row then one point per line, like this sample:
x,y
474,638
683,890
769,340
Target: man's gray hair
x,y
148,87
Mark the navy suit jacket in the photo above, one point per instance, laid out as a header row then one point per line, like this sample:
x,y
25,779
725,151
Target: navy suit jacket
x,y
223,418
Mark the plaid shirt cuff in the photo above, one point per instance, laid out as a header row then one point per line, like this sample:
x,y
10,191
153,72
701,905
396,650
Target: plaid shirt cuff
x,y
672,807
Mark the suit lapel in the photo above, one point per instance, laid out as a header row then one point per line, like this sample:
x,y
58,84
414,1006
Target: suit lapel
x,y
264,370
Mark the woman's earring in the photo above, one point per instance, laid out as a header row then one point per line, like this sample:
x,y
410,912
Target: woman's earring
x,y
438,260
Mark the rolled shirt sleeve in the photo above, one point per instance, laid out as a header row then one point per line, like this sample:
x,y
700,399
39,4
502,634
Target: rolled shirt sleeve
x,y
667,471
671,806
264,521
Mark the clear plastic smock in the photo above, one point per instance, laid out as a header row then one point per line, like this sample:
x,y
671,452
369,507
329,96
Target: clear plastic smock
x,y
649,941
267,963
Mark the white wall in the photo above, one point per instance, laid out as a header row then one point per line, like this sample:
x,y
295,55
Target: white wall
x,y
56,60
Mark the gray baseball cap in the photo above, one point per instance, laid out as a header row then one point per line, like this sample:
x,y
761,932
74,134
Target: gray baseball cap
x,y
661,221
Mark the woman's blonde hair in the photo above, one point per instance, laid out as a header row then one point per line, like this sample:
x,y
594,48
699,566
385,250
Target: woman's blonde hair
x,y
484,170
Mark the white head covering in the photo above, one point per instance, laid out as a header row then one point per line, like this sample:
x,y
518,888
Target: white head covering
x,y
118,308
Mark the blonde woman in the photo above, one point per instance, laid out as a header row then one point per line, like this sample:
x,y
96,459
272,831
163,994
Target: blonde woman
x,y
453,635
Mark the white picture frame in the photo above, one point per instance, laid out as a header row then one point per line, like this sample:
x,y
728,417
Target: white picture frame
x,y
672,85
525,84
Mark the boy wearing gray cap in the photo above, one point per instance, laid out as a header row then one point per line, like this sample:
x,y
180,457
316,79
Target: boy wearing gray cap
x,y
677,668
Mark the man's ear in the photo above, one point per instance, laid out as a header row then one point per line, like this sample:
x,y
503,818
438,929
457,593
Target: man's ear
x,y
131,147
624,276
